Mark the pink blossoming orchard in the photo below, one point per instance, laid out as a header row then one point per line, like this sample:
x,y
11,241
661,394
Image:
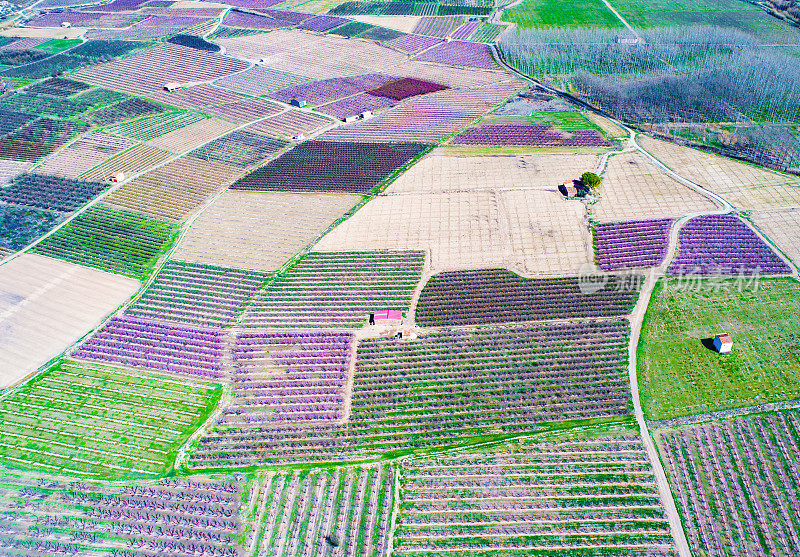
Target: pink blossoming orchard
x,y
379,278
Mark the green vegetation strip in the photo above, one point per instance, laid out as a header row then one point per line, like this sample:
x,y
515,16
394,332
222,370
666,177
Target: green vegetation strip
x,y
561,13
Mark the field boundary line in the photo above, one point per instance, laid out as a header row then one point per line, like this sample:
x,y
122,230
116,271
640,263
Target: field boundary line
x,y
725,414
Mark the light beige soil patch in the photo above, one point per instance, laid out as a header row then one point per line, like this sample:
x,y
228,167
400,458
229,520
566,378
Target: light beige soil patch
x,y
403,23
316,56
634,188
257,230
290,123
133,161
48,33
745,186
174,190
439,172
84,154
549,234
783,228
46,305
10,170
460,230
192,136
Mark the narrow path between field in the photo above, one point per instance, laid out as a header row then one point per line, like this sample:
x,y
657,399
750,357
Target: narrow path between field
x,y
622,19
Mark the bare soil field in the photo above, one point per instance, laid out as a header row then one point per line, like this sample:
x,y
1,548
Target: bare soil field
x,y
743,185
290,123
440,172
255,230
84,154
244,110
46,305
317,56
402,23
10,170
192,136
781,227
549,234
147,71
533,231
134,160
634,188
174,190
199,96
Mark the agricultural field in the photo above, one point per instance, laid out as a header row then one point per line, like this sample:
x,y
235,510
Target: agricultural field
x,y
554,14
115,241
348,509
47,305
499,296
336,290
308,278
260,230
174,190
736,482
679,374
332,167
539,495
635,188
54,514
446,388
83,154
197,294
95,421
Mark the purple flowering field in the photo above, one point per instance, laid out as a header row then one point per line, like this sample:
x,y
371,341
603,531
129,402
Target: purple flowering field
x,y
723,245
322,23
627,245
414,43
327,90
460,53
525,134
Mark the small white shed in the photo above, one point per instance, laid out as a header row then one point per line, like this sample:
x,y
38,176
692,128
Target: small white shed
x,y
723,343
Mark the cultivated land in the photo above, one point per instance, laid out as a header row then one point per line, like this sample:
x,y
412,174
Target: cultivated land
x,y
190,367
680,375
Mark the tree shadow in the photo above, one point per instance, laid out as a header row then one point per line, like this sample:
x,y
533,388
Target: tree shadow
x,y
709,343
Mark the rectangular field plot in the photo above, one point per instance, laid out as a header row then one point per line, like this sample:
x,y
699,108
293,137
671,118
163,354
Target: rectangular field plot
x,y
11,120
240,148
290,123
244,109
255,230
439,172
633,244
146,343
336,290
460,53
634,188
124,111
47,305
781,227
288,377
746,186
524,134
103,422
536,496
427,118
155,126
133,161
58,87
446,388
174,190
116,241
680,375
352,506
197,294
84,154
326,166
39,138
190,137
20,226
552,13
499,296
147,71
259,80
203,513
327,90
50,193
736,483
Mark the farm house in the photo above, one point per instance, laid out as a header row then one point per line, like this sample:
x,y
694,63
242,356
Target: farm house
x,y
386,317
723,343
572,188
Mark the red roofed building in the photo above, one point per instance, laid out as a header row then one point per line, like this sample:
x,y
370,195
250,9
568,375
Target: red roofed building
x,y
386,317
723,343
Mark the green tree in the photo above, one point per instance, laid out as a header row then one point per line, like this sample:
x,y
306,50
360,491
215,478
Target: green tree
x,y
591,179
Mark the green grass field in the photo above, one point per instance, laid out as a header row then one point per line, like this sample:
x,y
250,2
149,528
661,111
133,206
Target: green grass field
x,y
564,121
561,13
679,376
57,45
96,421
